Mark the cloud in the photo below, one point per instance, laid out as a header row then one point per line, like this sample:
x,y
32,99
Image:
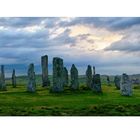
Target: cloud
x,y
27,44
18,22
124,45
129,43
111,23
21,37
99,41
21,22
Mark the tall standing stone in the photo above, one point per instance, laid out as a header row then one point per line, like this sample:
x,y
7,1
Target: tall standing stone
x,y
13,79
125,85
117,81
65,76
74,78
31,87
96,83
2,79
44,65
58,85
89,77
93,70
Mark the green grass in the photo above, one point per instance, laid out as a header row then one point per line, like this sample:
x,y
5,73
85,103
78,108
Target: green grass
x,y
18,102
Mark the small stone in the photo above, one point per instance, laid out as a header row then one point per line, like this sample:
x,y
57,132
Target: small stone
x,y
96,83
108,80
136,81
126,85
74,78
117,81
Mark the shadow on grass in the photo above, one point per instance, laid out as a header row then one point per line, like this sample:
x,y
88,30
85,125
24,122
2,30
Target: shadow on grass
x,y
95,110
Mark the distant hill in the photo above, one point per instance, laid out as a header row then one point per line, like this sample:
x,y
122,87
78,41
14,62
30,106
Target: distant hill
x,y
22,80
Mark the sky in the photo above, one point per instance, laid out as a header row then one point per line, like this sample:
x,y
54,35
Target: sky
x,y
111,44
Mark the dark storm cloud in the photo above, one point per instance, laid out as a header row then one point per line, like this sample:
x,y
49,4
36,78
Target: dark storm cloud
x,y
130,43
63,39
83,36
123,23
124,45
112,23
19,39
25,46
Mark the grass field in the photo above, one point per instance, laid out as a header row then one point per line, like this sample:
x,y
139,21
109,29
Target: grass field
x,y
18,102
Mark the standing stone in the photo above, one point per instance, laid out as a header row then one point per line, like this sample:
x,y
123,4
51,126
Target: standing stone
x,y
13,79
117,81
126,85
44,64
96,83
108,80
58,84
2,79
31,87
136,81
89,77
74,78
65,76
93,70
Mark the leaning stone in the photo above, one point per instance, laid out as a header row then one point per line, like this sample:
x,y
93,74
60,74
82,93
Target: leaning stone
x,y
44,65
2,79
65,76
126,85
13,79
89,77
96,83
31,87
58,85
117,81
74,78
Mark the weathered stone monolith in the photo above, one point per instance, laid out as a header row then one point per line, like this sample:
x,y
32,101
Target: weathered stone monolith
x,y
74,78
125,85
93,70
117,81
65,76
44,65
58,85
89,77
31,87
108,80
2,79
96,83
13,79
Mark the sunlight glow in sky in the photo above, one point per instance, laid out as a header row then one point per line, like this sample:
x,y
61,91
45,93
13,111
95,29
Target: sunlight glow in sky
x,y
111,44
